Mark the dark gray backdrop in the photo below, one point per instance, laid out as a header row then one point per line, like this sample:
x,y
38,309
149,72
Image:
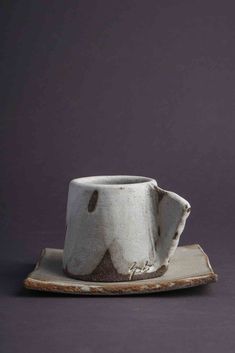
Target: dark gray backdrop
x,y
116,87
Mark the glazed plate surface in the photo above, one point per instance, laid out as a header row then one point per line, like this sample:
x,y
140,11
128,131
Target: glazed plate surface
x,y
189,267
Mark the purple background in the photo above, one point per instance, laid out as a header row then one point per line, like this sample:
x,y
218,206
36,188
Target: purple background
x,y
116,87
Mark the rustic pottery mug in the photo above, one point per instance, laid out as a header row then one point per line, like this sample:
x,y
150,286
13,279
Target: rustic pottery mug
x,y
121,228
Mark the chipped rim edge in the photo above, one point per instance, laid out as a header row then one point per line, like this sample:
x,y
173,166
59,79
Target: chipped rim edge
x,y
120,288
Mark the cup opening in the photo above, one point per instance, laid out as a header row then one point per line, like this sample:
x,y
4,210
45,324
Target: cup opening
x,y
113,180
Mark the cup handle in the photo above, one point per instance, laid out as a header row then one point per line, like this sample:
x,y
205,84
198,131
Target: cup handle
x,y
172,212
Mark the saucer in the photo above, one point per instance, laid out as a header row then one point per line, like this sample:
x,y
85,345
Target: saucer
x,y
189,267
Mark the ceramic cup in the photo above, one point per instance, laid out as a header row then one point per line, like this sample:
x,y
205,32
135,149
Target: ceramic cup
x,y
121,228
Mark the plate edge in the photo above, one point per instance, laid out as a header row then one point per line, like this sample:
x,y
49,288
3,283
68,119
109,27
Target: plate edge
x,y
39,285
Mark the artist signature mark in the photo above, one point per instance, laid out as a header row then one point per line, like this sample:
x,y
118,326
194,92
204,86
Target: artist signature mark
x,y
134,269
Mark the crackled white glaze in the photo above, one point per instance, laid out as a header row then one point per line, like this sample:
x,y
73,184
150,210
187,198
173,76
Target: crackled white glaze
x,y
121,227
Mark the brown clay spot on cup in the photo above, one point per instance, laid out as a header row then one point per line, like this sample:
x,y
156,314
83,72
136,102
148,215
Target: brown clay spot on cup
x,y
161,194
175,235
187,208
93,201
161,271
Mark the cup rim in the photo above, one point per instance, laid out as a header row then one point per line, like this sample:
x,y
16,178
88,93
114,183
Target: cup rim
x,y
113,181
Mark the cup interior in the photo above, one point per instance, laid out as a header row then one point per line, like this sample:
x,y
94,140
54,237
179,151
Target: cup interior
x,y
114,180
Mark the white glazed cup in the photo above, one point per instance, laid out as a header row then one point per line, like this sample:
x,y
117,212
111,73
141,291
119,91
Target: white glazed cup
x,y
121,228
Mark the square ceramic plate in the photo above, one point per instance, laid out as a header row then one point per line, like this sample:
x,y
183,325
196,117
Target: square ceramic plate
x,y
189,267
